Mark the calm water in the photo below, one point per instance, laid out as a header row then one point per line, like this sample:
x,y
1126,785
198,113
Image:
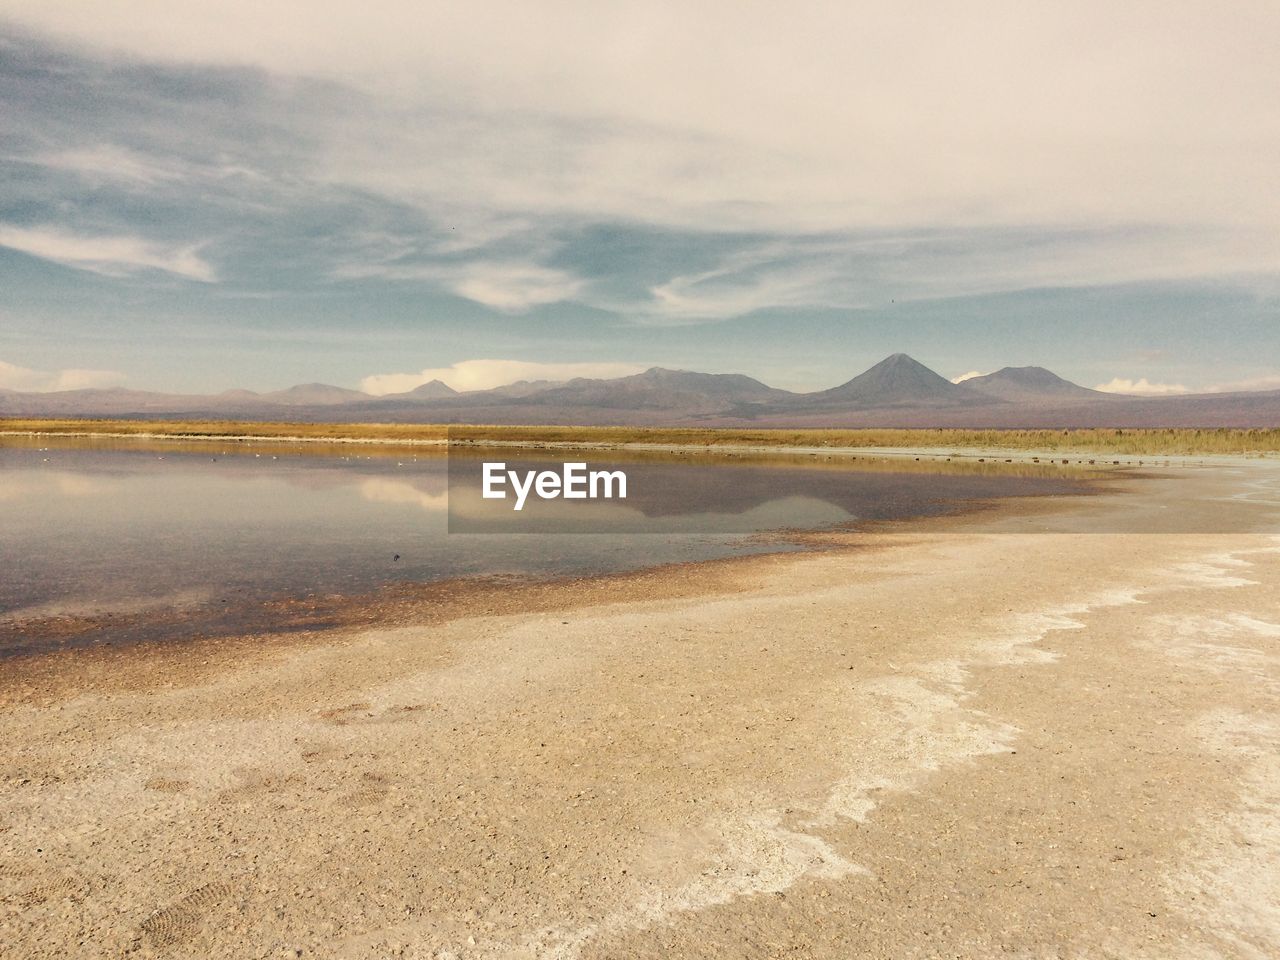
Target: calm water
x,y
122,541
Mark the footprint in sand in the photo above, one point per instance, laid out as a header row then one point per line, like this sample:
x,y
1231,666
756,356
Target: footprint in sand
x,y
373,789
178,921
167,784
30,888
343,715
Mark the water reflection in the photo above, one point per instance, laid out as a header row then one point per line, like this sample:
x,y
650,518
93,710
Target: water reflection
x,y
206,533
733,494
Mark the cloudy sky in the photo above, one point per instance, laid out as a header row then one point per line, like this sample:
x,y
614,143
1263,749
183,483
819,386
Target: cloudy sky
x,y
195,196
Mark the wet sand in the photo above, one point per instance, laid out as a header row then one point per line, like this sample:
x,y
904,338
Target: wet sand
x,y
1018,738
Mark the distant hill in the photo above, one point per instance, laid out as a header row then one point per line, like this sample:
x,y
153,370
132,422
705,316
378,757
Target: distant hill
x,y
896,392
524,388
104,402
1031,384
314,394
661,389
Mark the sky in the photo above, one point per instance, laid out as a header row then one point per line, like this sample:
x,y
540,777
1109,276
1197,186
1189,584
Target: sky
x,y
201,196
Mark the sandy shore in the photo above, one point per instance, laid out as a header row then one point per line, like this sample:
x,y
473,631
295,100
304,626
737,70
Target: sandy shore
x,y
1020,739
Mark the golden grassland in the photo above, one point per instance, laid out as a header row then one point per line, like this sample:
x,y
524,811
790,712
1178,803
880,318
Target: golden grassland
x,y
203,429
1152,442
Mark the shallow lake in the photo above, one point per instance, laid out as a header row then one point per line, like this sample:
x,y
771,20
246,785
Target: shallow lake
x,y
116,541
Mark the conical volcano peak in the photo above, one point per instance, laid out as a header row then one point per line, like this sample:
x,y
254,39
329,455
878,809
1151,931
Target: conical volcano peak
x,y
432,389
900,361
897,380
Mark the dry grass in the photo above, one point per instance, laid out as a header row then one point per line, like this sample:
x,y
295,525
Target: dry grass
x,y
1169,442
1150,441
221,429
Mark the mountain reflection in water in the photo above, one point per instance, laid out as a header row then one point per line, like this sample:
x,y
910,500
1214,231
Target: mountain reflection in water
x,y
115,541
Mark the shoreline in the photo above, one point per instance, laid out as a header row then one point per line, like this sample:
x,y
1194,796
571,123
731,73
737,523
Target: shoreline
x,y
434,603
319,620
296,619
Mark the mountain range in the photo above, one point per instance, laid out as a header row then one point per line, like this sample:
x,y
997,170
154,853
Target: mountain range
x,y
896,392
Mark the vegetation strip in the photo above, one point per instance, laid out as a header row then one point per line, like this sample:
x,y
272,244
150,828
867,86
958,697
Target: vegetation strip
x,y
1168,442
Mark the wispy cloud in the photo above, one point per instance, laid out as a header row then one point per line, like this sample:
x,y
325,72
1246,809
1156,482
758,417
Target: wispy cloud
x,y
485,374
109,162
512,287
478,184
608,172
728,292
111,256
506,286
1141,387
13,377
968,376
668,116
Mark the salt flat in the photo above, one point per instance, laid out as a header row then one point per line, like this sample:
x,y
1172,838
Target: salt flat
x,y
1024,734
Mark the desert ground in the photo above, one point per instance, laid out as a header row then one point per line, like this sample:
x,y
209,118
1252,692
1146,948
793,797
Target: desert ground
x,y
1034,733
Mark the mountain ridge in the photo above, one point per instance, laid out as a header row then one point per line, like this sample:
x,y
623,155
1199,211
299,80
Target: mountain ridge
x,y
1021,383
897,391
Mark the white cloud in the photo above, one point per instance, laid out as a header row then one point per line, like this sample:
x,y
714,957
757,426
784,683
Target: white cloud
x,y
13,377
1144,156
77,379
509,286
111,256
484,374
900,113
967,376
1141,387
514,287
